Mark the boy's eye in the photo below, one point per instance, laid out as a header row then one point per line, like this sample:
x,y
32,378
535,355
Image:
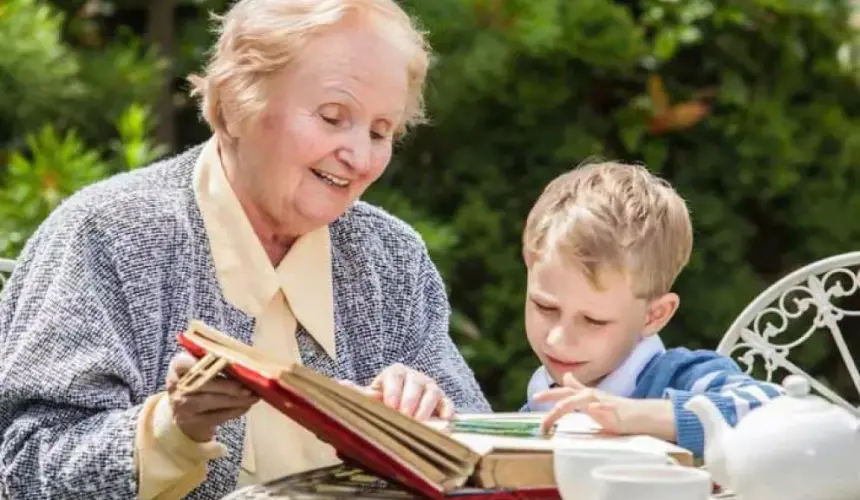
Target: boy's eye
x,y
596,322
543,307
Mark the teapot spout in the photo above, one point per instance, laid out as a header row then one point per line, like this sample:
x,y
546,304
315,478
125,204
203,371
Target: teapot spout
x,y
716,431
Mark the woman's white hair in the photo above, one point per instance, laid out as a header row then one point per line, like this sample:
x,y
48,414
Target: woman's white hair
x,y
257,38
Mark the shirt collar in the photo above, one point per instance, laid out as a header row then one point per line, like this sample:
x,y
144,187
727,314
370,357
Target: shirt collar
x,y
247,277
622,380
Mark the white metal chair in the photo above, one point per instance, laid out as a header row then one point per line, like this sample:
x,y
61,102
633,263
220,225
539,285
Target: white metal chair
x,y
805,303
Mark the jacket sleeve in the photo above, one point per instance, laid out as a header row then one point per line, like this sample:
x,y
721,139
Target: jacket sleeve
x,y
69,369
429,347
719,379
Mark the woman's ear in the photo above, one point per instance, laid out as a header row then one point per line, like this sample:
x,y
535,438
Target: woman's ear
x,y
660,311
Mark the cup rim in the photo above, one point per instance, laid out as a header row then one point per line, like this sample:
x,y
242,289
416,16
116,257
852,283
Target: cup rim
x,y
607,452
621,473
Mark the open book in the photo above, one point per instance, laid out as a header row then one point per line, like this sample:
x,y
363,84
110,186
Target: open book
x,y
433,458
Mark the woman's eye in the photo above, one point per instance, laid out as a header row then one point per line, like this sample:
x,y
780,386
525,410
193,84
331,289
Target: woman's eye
x,y
330,120
376,136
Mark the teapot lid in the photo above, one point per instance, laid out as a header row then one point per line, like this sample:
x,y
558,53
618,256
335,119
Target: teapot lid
x,y
798,398
796,386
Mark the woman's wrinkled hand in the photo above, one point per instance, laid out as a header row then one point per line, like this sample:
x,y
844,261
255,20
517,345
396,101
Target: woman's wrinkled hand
x,y
408,391
199,413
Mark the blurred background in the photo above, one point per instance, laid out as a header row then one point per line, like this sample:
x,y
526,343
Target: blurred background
x,y
750,108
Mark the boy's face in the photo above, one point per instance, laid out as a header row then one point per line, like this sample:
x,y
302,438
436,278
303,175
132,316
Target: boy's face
x,y
574,327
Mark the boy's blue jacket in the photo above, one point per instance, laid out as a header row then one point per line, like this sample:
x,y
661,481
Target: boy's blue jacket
x,y
678,374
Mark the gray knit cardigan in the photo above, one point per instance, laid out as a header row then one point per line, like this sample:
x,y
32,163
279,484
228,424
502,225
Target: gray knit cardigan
x,y
89,319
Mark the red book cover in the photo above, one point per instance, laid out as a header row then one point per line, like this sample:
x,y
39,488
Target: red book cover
x,y
351,446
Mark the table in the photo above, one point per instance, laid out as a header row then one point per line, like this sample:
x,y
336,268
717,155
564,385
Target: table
x,y
335,484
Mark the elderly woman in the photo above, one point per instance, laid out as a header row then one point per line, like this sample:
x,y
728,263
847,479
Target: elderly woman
x,y
257,232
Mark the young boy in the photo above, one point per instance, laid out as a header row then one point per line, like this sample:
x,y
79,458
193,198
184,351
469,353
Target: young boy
x,y
603,245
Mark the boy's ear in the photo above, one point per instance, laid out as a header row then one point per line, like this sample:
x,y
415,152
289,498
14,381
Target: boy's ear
x,y
660,311
528,257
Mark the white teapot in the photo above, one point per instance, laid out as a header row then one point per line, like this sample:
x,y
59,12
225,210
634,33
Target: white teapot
x,y
796,447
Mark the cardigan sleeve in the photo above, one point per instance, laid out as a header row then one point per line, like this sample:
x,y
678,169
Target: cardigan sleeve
x,y
70,378
719,379
429,347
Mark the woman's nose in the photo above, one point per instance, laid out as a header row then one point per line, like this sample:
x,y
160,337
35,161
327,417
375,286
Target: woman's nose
x,y
356,153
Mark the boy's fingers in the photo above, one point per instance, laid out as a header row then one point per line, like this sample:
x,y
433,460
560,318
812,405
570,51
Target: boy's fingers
x,y
606,415
570,381
553,395
577,402
552,416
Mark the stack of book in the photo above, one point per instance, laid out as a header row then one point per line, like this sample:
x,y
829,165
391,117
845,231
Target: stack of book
x,y
389,455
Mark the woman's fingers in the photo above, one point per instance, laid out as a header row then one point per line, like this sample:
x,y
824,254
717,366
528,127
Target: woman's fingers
x,y
411,392
198,403
414,389
197,415
199,412
445,410
179,366
368,391
392,380
430,400
201,426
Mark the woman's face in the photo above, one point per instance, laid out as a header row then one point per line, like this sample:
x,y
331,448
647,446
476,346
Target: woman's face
x,y
327,131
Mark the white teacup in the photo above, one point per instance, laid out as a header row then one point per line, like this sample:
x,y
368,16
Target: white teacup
x,y
573,466
651,482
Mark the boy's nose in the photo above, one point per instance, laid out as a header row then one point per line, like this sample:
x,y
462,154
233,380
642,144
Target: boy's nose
x,y
560,339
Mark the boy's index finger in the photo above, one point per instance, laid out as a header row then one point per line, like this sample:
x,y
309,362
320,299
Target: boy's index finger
x,y
553,395
570,381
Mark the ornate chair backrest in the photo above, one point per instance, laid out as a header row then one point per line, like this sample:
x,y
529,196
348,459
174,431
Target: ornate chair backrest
x,y
6,267
812,312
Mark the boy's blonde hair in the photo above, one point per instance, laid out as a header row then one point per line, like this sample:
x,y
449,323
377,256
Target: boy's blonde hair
x,y
258,38
613,216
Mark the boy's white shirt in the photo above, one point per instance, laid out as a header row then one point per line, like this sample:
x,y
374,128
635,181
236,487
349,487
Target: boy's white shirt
x,y
621,382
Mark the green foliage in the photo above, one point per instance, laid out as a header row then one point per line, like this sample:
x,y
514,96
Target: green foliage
x,y
34,186
70,113
134,148
37,70
749,108
55,166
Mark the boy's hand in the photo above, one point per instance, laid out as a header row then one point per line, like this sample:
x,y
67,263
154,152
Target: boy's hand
x,y
615,414
409,391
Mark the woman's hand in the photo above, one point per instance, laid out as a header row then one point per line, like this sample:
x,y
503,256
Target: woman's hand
x,y
198,414
408,391
615,414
